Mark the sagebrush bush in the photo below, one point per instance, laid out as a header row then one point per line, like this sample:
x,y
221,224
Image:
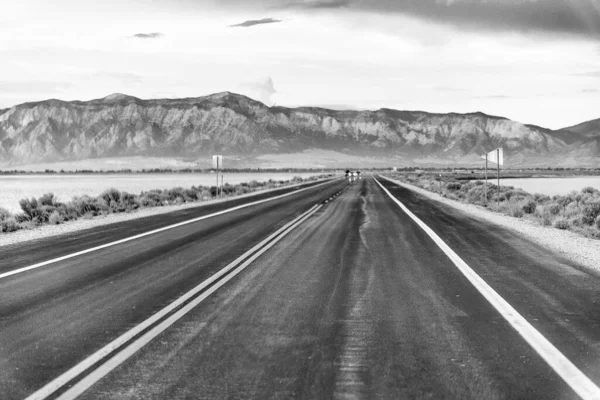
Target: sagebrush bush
x,y
589,190
453,186
47,208
554,208
4,214
529,207
590,212
597,222
541,198
561,223
9,224
55,218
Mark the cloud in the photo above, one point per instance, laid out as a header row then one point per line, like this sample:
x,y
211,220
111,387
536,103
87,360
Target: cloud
x,y
261,90
448,89
153,35
559,16
590,91
253,22
317,4
589,74
579,17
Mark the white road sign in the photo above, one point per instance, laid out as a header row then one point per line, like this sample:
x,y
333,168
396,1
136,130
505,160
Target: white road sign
x,y
217,162
496,156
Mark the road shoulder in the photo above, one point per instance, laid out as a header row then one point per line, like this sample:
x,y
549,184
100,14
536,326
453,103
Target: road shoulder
x,y
48,231
581,250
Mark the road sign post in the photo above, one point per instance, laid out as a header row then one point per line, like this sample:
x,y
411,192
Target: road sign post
x,y
217,162
485,184
495,156
498,191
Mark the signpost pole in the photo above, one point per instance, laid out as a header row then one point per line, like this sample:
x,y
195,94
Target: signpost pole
x,y
222,178
217,193
485,184
498,192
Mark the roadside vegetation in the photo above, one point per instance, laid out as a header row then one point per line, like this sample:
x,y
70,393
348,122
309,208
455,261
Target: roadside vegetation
x,y
48,209
578,211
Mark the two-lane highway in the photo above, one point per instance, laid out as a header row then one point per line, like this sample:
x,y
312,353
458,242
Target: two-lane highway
x,y
353,300
54,316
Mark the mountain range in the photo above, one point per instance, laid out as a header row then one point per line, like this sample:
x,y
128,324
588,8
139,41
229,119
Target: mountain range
x,y
249,131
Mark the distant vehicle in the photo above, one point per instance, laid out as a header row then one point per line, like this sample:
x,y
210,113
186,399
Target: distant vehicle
x,y
352,175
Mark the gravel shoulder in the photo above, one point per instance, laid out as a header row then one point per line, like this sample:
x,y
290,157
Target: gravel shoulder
x,y
581,250
45,231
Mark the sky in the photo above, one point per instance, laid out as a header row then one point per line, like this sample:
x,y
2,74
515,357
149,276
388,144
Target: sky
x,y
534,61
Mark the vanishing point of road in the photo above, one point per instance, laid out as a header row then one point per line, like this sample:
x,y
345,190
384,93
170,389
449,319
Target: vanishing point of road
x,y
340,290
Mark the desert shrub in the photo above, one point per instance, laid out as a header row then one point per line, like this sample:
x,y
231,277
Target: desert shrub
x,y
516,194
589,190
206,194
31,209
561,223
150,199
297,179
453,186
572,210
544,215
590,212
563,201
4,214
190,194
541,198
243,190
68,211
529,207
111,196
575,196
554,208
597,222
55,218
48,199
9,224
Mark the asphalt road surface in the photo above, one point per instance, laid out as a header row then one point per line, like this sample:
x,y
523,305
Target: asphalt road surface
x,y
352,301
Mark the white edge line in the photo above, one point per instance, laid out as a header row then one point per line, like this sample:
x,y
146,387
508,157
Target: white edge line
x,y
73,372
577,380
79,253
130,350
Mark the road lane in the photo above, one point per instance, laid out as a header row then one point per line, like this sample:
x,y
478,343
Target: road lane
x,y
560,298
356,303
52,317
24,254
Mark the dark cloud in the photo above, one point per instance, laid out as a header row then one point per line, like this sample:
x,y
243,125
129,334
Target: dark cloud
x,y
580,17
317,4
254,22
560,16
153,35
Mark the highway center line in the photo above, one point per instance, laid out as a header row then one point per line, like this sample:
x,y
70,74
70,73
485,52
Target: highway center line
x,y
97,374
165,228
577,380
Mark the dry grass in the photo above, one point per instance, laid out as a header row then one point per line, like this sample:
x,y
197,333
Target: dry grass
x,y
578,211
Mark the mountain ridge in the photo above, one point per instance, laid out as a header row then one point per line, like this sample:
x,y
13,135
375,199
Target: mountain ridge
x,y
120,125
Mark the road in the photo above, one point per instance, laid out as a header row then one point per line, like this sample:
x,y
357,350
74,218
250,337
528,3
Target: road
x,y
354,301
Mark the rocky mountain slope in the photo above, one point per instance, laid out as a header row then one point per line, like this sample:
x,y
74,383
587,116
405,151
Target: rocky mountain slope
x,y
232,124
